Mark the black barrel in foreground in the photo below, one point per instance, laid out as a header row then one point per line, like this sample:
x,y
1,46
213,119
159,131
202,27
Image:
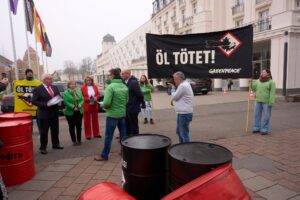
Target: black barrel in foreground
x,y
193,159
145,167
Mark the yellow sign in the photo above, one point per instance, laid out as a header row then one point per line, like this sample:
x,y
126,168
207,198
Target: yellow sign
x,y
23,91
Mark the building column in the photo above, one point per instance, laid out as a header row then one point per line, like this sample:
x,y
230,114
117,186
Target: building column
x,y
244,84
217,84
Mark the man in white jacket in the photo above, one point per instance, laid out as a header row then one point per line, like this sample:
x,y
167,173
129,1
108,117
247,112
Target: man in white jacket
x,y
182,100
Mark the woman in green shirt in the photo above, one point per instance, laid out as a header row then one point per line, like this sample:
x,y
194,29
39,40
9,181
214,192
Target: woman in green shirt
x,y
264,89
146,89
73,101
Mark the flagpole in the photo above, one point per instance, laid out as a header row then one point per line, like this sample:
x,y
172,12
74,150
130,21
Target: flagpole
x,y
47,65
37,59
43,59
13,42
27,41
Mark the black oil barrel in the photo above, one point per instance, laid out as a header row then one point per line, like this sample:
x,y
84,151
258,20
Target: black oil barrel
x,y
145,165
193,159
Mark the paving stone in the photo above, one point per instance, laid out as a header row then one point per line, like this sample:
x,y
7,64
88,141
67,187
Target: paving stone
x,y
103,174
64,197
52,194
92,169
75,172
109,166
115,179
92,183
257,183
245,174
36,185
84,178
295,197
256,163
58,168
24,195
276,192
69,161
64,182
53,176
74,189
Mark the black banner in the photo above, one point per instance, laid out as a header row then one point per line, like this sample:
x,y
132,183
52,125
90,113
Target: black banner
x,y
224,54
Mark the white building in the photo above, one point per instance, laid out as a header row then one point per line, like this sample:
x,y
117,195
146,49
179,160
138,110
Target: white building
x,y
276,26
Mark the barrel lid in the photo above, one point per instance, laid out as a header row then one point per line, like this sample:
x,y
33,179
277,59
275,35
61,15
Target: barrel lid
x,y
15,115
15,123
200,153
146,141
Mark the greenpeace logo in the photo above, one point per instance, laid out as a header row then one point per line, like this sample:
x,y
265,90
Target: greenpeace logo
x,y
225,71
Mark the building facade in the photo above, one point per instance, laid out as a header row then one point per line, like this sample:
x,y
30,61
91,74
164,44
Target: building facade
x,y
276,27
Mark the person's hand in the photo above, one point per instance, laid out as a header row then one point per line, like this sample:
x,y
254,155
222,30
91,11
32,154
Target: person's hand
x,y
48,104
76,108
172,104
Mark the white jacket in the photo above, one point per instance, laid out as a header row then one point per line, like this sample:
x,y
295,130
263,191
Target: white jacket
x,y
183,98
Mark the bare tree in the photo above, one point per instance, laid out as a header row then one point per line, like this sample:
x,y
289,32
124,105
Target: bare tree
x,y
70,69
86,66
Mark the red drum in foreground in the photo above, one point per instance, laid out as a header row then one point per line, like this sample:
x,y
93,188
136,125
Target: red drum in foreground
x,y
105,191
16,156
15,116
220,183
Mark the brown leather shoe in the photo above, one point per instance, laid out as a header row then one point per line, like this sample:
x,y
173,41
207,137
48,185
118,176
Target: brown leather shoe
x,y
99,158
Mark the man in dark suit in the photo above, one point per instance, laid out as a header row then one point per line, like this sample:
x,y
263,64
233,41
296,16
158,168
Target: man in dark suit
x,y
47,113
136,99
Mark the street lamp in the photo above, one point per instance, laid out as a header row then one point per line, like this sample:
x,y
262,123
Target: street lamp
x,y
285,63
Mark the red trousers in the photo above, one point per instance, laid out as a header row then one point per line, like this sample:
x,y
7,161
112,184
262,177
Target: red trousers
x,y
91,124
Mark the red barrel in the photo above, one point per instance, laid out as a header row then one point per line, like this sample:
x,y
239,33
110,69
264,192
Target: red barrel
x,y
15,116
16,156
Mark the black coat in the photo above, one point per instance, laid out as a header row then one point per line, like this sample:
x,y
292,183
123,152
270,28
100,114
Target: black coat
x,y
136,97
40,98
2,87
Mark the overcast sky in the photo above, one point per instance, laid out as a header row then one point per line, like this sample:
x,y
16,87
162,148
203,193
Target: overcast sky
x,y
75,27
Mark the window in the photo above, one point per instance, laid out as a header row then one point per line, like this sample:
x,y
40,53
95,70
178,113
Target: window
x,y
239,2
195,7
238,23
264,20
161,4
297,4
155,7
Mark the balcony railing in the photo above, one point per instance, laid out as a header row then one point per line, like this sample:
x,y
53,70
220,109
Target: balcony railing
x,y
260,1
239,8
262,25
187,21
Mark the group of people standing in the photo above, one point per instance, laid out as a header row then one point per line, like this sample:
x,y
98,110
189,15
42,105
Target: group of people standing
x,y
125,97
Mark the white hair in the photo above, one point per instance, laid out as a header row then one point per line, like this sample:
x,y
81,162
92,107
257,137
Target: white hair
x,y
44,76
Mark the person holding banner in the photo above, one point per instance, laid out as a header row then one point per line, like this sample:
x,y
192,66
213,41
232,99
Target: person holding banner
x,y
264,89
146,89
47,98
29,75
73,111
182,100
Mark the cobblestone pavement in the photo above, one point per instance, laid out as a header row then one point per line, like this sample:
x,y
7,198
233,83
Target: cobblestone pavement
x,y
269,166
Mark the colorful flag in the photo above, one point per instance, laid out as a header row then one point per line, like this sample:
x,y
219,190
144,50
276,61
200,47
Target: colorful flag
x,y
38,27
40,33
13,6
29,13
48,46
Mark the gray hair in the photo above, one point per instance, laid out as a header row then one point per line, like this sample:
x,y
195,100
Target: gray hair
x,y
44,76
180,75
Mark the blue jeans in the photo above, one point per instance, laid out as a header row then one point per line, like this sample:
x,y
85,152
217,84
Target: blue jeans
x,y
260,108
182,126
111,124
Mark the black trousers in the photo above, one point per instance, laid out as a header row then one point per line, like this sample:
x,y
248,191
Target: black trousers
x,y
132,124
44,125
75,123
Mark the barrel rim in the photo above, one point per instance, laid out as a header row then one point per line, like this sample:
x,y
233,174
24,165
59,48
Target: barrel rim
x,y
5,115
191,162
14,123
145,134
